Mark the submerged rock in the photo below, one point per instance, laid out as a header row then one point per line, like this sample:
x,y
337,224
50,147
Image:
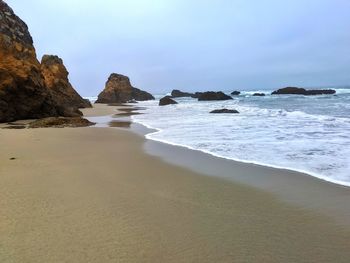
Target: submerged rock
x,y
60,122
235,93
224,111
212,95
23,91
259,94
302,91
178,93
167,100
119,90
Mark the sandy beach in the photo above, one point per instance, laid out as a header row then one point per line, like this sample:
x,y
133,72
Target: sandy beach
x,y
103,195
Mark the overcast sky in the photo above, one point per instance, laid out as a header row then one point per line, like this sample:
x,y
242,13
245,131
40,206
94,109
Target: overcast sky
x,y
194,45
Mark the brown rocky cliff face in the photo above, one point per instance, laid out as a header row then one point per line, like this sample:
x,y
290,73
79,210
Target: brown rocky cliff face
x,y
22,89
56,79
23,93
119,90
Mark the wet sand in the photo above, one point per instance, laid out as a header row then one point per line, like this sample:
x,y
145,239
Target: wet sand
x,y
132,109
120,124
105,195
126,114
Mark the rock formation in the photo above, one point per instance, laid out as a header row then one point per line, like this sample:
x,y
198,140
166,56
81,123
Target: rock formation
x,y
196,95
224,111
167,100
235,93
140,95
22,90
178,94
212,95
60,122
302,91
23,93
56,79
119,90
259,94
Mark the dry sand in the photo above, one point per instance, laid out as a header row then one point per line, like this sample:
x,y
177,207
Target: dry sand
x,y
94,195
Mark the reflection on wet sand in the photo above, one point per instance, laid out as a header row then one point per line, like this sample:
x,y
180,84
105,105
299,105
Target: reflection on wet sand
x,y
119,124
132,109
126,114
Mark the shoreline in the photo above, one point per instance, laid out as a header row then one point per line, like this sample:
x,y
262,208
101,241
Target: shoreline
x,y
289,186
110,195
308,191
304,139
306,173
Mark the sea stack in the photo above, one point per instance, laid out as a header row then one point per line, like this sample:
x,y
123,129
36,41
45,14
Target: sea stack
x,y
23,92
118,89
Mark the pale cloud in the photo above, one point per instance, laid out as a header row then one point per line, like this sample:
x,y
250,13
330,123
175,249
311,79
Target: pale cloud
x,y
194,45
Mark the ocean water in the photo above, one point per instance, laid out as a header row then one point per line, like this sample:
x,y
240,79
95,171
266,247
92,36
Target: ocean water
x,y
91,99
310,134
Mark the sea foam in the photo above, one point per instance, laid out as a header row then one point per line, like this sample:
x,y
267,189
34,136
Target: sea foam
x,y
306,134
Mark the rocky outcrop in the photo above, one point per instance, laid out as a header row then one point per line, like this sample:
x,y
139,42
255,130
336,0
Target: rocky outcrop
x,y
51,122
23,93
320,92
196,95
302,91
224,111
118,89
88,102
56,79
167,100
22,90
259,94
60,122
235,93
212,95
140,95
178,94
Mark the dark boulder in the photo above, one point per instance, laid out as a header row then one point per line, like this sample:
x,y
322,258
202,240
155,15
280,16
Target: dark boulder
x,y
224,111
259,94
167,100
178,94
212,95
235,93
302,91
